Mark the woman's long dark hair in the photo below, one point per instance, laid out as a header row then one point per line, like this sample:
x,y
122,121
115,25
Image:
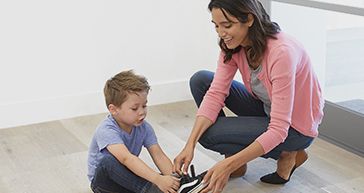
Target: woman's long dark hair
x,y
258,33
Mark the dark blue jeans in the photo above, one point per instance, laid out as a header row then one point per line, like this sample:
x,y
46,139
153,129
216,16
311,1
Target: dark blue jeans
x,y
113,177
229,135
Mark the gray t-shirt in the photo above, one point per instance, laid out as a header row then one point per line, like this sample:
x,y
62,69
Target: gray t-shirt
x,y
108,132
259,90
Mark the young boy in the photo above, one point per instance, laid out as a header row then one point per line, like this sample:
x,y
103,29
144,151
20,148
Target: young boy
x,y
113,163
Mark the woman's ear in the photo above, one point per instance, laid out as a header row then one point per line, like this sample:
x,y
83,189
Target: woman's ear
x,y
250,19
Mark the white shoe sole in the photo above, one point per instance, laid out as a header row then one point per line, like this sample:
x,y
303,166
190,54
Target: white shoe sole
x,y
198,188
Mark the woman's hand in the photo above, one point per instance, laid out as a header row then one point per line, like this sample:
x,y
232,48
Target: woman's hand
x,y
217,177
184,159
168,183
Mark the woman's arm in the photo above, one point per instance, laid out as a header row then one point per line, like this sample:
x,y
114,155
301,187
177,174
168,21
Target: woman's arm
x,y
251,152
185,157
200,126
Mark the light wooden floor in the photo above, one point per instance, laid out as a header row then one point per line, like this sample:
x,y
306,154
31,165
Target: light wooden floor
x,y
51,157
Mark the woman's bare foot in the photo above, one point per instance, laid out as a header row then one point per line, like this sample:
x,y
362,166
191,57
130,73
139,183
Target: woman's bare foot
x,y
301,157
290,160
285,164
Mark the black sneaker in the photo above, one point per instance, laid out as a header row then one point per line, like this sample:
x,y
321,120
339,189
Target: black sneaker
x,y
191,184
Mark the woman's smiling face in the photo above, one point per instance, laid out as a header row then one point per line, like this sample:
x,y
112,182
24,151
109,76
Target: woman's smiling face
x,y
230,29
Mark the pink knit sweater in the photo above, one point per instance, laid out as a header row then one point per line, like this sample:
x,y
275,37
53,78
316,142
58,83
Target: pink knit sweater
x,y
292,86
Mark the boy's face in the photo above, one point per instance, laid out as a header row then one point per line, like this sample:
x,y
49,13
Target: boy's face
x,y
132,112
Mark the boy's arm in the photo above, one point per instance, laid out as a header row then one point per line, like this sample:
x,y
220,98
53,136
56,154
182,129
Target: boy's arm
x,y
132,162
160,159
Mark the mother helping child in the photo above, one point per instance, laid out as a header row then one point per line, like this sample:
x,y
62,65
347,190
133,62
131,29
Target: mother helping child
x,y
279,105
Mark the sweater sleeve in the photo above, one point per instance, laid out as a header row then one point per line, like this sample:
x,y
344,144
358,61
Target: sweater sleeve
x,y
282,63
214,99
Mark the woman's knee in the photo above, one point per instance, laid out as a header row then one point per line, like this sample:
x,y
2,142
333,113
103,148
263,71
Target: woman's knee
x,y
201,77
212,144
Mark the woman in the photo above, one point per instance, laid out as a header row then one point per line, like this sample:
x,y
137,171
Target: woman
x,y
278,108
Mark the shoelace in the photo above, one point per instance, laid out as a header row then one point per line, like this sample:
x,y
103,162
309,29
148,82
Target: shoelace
x,y
185,178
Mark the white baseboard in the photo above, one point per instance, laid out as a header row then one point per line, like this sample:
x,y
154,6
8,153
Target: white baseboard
x,y
24,113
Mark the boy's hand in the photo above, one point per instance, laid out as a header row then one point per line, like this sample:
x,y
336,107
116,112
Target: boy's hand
x,y
168,183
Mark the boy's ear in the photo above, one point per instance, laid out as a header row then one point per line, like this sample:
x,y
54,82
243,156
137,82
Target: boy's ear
x,y
113,109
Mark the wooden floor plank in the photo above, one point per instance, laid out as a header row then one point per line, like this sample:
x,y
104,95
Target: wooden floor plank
x,y
52,157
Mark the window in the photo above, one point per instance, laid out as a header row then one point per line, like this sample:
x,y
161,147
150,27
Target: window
x,y
335,42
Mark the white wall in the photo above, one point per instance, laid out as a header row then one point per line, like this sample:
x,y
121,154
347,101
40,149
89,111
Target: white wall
x,y
308,25
337,20
56,55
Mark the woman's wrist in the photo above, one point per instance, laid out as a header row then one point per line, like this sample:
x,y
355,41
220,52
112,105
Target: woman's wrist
x,y
190,144
233,163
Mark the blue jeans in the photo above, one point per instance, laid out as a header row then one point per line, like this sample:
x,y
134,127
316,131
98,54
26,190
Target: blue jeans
x,y
229,135
113,177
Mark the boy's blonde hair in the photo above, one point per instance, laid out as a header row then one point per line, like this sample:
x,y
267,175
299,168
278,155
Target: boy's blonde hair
x,y
117,88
